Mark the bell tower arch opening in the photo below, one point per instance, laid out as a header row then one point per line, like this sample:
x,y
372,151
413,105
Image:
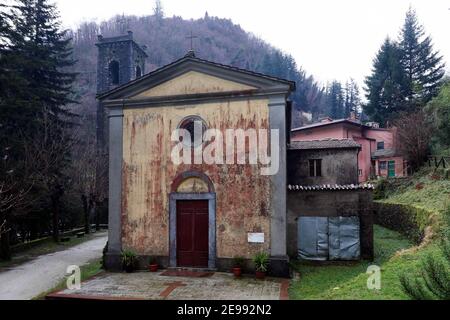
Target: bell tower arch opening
x,y
114,72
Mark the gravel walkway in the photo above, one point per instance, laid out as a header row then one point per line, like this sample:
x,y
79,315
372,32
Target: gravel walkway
x,y
43,273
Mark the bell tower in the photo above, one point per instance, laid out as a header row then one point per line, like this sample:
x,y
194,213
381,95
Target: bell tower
x,y
120,60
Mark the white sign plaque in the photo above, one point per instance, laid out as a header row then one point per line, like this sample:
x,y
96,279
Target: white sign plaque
x,y
256,237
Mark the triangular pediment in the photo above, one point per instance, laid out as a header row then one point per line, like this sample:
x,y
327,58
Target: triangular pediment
x,y
193,82
193,76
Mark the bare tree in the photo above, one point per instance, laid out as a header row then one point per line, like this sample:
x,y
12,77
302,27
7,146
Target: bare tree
x,y
13,196
414,132
89,171
49,150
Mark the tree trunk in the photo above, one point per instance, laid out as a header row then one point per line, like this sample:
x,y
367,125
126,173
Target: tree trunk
x,y
5,249
84,200
55,209
97,215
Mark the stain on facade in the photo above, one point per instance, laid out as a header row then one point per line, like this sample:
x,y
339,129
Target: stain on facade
x,y
149,173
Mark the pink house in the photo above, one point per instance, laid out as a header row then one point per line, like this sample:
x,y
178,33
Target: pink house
x,y
378,157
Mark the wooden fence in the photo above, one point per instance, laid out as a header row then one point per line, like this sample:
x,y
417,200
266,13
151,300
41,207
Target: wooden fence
x,y
439,161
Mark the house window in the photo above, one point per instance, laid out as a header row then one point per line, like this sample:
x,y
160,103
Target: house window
x,y
383,165
114,72
360,172
380,145
196,127
315,167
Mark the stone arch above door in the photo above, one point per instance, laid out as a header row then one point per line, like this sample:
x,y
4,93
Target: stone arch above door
x,y
192,182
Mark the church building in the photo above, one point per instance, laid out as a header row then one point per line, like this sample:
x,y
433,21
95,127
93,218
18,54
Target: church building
x,y
195,215
172,202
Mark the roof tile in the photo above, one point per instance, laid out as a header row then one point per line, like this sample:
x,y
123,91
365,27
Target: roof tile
x,y
324,144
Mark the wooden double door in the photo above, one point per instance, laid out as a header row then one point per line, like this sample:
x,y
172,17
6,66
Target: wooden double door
x,y
192,233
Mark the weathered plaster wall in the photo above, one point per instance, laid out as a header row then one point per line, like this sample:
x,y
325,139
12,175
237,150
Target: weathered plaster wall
x,y
243,195
193,82
331,204
339,166
364,158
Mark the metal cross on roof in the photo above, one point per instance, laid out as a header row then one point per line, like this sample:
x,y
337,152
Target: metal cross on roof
x,y
192,37
123,23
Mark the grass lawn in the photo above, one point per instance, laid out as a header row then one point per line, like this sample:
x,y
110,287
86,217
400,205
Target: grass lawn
x,y
433,194
87,271
46,247
349,281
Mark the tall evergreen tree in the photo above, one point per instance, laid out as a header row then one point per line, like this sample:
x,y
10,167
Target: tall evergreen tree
x,y
423,65
336,100
387,85
352,99
158,10
46,55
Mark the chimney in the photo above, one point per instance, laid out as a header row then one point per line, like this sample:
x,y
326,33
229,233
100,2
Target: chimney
x,y
353,115
325,120
374,125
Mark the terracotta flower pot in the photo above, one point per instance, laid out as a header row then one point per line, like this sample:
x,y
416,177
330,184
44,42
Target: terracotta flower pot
x,y
237,271
260,274
129,268
153,267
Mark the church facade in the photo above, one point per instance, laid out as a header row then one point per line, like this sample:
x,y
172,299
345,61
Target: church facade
x,y
196,214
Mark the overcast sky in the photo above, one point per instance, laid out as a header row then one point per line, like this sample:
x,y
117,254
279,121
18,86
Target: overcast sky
x,y
331,39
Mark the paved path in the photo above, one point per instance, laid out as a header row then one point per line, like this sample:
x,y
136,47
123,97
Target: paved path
x,y
156,286
34,277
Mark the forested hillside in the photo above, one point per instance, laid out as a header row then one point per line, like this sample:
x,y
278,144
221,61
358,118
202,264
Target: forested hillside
x,y
219,40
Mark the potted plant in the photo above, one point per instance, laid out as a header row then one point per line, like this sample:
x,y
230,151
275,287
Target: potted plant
x,y
153,265
237,266
128,260
261,261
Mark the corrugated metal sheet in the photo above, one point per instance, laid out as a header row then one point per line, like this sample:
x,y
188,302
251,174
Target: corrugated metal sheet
x,y
313,238
329,238
344,239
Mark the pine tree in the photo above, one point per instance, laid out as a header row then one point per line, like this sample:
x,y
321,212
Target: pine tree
x,y
352,99
47,56
335,98
423,66
387,85
158,10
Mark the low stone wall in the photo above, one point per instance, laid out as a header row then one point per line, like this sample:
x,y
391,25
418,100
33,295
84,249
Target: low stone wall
x,y
408,220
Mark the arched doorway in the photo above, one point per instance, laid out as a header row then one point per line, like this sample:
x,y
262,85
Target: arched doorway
x,y
192,219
